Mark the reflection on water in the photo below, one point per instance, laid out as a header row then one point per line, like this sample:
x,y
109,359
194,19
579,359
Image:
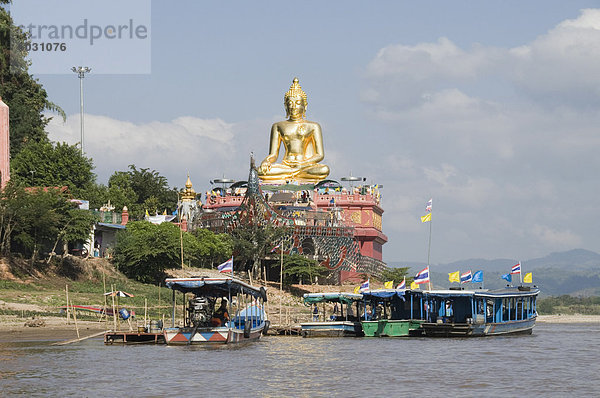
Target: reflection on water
x,y
557,360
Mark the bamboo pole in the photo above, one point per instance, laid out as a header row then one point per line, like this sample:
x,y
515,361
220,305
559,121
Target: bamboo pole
x,y
281,282
145,312
67,292
114,309
104,291
75,318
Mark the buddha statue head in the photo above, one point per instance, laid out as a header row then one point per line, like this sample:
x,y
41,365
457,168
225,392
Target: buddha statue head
x,y
295,101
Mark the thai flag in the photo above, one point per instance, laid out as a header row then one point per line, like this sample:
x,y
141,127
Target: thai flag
x,y
516,269
428,206
365,286
466,277
276,247
402,285
227,266
422,276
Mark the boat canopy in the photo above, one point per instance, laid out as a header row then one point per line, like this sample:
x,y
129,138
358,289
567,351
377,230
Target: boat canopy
x,y
497,293
340,297
214,287
383,294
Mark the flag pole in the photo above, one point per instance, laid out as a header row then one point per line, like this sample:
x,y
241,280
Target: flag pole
x,y
429,252
521,272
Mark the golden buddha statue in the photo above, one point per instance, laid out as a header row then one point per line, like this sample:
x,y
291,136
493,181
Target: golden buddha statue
x,y
302,142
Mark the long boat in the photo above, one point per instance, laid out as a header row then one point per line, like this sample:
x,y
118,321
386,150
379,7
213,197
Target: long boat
x,y
203,324
391,313
465,313
343,325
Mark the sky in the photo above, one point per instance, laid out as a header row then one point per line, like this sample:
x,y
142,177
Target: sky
x,y
489,108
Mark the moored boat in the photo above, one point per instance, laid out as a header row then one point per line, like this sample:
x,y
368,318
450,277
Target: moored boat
x,y
466,313
344,324
203,324
391,313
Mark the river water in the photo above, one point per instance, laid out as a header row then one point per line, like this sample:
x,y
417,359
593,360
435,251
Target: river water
x,y
556,360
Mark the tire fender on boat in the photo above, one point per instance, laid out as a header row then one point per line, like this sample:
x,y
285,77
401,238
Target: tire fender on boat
x,y
247,328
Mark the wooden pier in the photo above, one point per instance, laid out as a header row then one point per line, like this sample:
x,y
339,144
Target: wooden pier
x,y
111,337
284,330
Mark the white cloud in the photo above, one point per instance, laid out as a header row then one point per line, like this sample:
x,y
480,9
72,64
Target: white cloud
x,y
200,146
500,137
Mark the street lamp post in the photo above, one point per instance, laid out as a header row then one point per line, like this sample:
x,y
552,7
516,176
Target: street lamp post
x,y
81,71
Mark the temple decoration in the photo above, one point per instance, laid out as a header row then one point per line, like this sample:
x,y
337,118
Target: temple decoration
x,y
342,230
188,193
188,206
302,142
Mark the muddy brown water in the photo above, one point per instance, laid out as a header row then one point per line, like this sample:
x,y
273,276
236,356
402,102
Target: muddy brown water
x,y
557,360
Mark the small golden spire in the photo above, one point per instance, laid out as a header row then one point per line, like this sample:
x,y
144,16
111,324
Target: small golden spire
x,y
188,193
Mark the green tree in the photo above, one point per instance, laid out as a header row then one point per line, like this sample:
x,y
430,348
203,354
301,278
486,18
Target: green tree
x,y
253,242
141,190
297,268
144,251
214,248
44,164
34,221
24,95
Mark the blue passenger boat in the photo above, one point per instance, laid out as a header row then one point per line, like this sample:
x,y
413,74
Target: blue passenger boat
x,y
203,323
337,325
465,313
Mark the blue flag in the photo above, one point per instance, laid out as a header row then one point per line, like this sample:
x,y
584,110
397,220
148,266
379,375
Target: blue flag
x,y
477,277
508,277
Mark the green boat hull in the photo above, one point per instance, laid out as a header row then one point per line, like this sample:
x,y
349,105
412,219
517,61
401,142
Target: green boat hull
x,y
391,328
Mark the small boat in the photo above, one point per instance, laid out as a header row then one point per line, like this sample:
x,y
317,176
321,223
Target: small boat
x,y
203,324
337,325
391,313
466,313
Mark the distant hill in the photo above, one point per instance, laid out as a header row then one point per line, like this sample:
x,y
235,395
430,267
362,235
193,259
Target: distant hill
x,y
574,272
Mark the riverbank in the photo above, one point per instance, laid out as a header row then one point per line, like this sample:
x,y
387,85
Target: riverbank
x,y
562,318
14,329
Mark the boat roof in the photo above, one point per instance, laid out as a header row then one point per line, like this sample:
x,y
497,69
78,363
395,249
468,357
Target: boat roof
x,y
214,287
512,291
384,293
340,297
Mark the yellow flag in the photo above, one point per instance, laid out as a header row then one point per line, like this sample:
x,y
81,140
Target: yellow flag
x,y
528,278
414,285
426,217
388,285
147,215
356,289
454,276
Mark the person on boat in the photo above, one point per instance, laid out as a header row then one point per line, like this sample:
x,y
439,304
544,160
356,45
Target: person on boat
x,y
315,313
449,312
221,315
